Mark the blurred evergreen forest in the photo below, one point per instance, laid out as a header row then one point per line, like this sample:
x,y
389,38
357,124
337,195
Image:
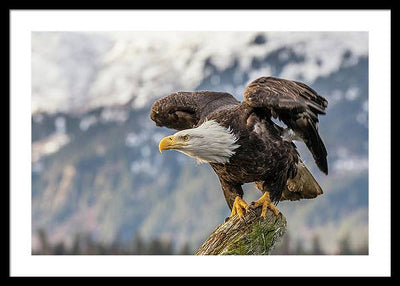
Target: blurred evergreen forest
x,y
84,244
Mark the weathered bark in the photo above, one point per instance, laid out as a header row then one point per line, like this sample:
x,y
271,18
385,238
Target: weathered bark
x,y
253,236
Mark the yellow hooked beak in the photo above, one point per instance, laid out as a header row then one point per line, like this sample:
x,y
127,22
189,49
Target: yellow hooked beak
x,y
168,142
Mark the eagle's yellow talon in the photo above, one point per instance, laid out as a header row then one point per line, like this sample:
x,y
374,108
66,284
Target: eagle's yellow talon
x,y
238,205
266,203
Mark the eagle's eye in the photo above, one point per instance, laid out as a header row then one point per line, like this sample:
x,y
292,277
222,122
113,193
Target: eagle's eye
x,y
185,137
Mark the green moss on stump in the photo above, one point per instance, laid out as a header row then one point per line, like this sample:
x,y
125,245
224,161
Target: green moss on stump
x,y
253,236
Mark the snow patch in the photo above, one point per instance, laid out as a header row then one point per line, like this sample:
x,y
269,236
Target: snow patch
x,y
87,122
348,162
352,93
48,145
110,114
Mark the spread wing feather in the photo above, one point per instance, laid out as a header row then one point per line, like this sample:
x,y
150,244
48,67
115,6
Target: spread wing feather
x,y
183,110
297,105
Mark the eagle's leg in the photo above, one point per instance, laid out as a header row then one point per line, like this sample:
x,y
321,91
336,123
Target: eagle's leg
x,y
266,203
238,205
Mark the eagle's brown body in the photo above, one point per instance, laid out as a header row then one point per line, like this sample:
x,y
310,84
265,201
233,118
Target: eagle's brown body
x,y
262,156
265,156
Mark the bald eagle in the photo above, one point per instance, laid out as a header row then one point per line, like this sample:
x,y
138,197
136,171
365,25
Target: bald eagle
x,y
242,142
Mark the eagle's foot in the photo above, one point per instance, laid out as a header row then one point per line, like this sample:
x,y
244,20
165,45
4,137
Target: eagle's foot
x,y
266,203
238,206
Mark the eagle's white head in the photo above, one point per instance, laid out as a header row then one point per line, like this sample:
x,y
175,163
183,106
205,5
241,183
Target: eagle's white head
x,y
208,143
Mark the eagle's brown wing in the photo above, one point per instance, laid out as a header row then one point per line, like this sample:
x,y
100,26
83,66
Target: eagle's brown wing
x,y
297,105
183,110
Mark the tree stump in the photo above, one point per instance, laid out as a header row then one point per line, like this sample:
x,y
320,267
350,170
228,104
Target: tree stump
x,y
253,236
